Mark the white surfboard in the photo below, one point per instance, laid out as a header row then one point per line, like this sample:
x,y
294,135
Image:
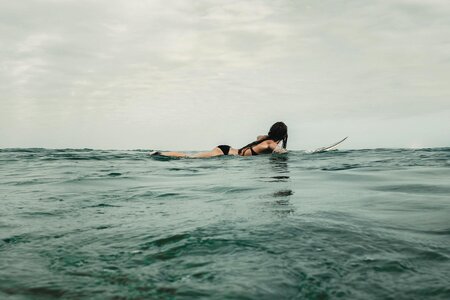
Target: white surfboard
x,y
328,148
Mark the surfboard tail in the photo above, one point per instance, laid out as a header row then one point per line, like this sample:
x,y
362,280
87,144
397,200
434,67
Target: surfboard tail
x,y
329,148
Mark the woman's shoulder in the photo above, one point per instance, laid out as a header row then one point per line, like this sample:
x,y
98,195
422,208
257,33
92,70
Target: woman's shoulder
x,y
269,143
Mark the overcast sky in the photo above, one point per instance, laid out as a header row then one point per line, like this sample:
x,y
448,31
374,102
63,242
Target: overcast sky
x,y
188,75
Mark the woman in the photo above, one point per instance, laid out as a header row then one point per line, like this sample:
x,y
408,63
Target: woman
x,y
263,145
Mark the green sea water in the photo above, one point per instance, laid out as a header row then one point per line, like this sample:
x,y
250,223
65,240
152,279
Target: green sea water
x,y
93,224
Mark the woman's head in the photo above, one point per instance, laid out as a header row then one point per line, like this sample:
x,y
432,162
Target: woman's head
x,y
278,132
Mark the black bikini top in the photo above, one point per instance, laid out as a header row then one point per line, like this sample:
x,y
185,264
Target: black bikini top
x,y
244,149
251,149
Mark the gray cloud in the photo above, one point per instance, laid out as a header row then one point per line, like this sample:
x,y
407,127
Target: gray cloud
x,y
189,74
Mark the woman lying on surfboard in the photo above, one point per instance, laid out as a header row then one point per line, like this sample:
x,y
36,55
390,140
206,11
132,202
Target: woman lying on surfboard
x,y
264,144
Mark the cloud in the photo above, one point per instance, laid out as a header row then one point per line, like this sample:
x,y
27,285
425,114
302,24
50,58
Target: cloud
x,y
161,63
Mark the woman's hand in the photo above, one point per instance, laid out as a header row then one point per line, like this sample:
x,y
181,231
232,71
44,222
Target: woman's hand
x,y
280,150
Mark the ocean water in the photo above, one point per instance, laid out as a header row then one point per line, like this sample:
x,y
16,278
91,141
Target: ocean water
x,y
92,224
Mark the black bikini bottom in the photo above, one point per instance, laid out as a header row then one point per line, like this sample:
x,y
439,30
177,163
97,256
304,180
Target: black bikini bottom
x,y
225,149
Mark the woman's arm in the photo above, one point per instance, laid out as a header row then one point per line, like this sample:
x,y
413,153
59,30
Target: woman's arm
x,y
260,137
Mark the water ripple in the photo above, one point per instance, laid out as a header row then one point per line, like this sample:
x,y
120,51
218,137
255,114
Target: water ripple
x,y
101,224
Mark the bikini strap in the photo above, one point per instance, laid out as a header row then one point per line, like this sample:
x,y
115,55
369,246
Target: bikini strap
x,y
245,148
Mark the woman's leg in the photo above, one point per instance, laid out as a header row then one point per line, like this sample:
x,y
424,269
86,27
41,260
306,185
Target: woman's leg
x,y
174,154
214,152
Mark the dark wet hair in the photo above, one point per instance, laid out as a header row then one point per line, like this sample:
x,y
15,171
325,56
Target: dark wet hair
x,y
277,132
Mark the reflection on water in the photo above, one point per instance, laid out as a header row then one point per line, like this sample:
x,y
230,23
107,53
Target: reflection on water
x,y
281,206
283,193
279,164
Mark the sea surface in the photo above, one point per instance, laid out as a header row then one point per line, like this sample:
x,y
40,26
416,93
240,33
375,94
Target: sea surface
x,y
94,224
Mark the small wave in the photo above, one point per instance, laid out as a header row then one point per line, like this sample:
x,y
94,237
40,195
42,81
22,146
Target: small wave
x,y
22,150
165,195
429,255
72,154
384,265
16,239
42,214
184,169
343,167
414,189
114,174
104,205
164,241
102,227
230,189
36,292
